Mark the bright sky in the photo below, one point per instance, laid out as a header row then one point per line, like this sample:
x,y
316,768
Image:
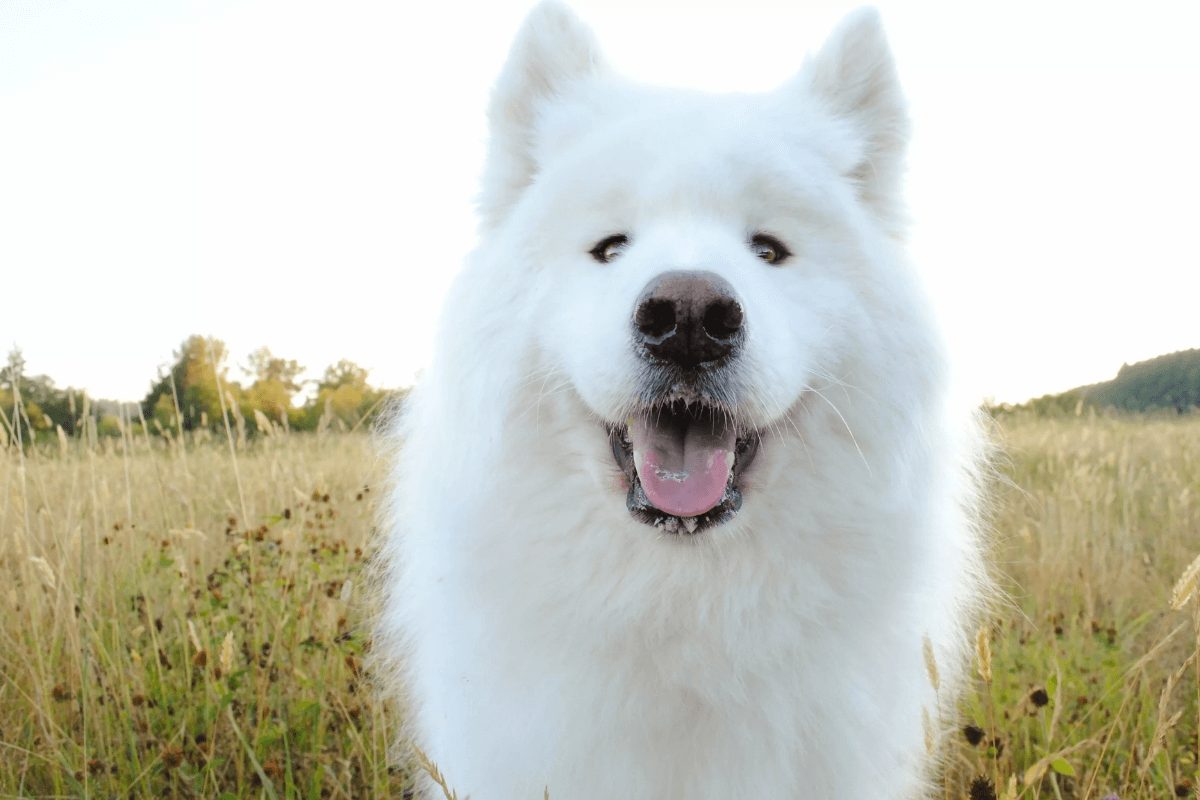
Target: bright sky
x,y
300,175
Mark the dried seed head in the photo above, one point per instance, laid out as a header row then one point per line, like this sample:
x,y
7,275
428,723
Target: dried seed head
x,y
982,789
927,726
1185,587
227,654
44,568
200,659
983,652
172,756
974,734
931,663
273,770
193,636
1039,697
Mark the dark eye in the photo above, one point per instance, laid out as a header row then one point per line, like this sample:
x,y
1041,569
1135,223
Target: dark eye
x,y
768,248
610,247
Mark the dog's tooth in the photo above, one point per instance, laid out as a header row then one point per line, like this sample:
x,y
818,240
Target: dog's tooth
x,y
690,523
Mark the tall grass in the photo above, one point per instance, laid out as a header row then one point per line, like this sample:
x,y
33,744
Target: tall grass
x,y
163,634
1095,681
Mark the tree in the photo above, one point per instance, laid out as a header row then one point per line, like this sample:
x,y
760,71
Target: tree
x,y
275,383
10,373
43,403
264,366
344,373
344,391
198,363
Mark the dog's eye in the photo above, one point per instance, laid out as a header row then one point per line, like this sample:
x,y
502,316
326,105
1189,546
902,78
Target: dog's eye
x,y
610,247
768,248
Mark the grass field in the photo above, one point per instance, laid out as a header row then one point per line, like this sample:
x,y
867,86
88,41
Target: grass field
x,y
182,618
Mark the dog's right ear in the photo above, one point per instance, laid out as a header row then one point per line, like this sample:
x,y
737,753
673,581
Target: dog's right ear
x,y
854,77
553,49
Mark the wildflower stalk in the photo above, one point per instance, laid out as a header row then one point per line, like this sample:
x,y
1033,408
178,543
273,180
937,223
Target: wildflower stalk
x,y
983,654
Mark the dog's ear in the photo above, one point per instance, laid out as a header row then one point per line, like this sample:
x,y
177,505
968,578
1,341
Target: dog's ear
x,y
553,49
854,77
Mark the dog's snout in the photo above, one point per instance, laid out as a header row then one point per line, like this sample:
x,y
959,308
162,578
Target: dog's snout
x,y
688,318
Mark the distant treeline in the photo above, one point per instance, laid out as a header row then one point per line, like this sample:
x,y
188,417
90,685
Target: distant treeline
x,y
1166,384
193,392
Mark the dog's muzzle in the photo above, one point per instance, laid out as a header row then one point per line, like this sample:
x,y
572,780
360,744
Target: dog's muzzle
x,y
682,464
681,450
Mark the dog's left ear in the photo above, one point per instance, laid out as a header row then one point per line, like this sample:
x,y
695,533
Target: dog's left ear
x,y
553,50
854,77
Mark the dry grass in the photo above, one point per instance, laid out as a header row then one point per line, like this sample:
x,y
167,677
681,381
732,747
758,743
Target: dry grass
x,y
175,627
166,631
1094,680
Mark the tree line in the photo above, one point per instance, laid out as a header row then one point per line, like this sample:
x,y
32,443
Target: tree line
x,y
1166,384
196,390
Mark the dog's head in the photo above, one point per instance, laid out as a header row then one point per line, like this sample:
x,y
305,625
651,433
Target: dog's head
x,y
699,262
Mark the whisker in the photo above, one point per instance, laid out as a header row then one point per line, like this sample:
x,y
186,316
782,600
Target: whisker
x,y
847,424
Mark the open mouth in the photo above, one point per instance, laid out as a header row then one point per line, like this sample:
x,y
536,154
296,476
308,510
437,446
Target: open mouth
x,y
682,462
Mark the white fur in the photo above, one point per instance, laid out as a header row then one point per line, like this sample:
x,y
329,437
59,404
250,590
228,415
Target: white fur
x,y
544,636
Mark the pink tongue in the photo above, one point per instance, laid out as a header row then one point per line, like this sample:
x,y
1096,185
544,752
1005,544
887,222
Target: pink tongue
x,y
683,467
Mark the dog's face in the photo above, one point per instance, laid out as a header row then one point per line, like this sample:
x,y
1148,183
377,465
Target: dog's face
x,y
699,260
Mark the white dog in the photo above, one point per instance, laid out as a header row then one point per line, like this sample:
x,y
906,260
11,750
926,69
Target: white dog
x,y
681,495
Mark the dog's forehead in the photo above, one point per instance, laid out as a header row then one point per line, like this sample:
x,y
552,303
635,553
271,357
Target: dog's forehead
x,y
640,125
658,140
678,161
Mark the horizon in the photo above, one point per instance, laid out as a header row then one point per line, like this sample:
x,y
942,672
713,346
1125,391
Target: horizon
x,y
305,394
301,177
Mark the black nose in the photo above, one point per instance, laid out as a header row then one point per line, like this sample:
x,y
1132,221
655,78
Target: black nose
x,y
688,319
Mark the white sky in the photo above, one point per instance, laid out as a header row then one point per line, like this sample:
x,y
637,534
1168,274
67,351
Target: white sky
x,y
300,175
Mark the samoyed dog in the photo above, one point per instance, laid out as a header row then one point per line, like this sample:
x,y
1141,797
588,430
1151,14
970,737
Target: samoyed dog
x,y
681,497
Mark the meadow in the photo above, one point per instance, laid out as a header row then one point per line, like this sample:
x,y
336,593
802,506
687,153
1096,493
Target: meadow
x,y
181,615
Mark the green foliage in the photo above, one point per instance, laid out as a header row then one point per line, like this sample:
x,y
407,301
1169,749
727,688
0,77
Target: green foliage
x,y
189,394
43,406
344,399
275,384
343,396
1166,383
191,380
1170,382
1067,404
